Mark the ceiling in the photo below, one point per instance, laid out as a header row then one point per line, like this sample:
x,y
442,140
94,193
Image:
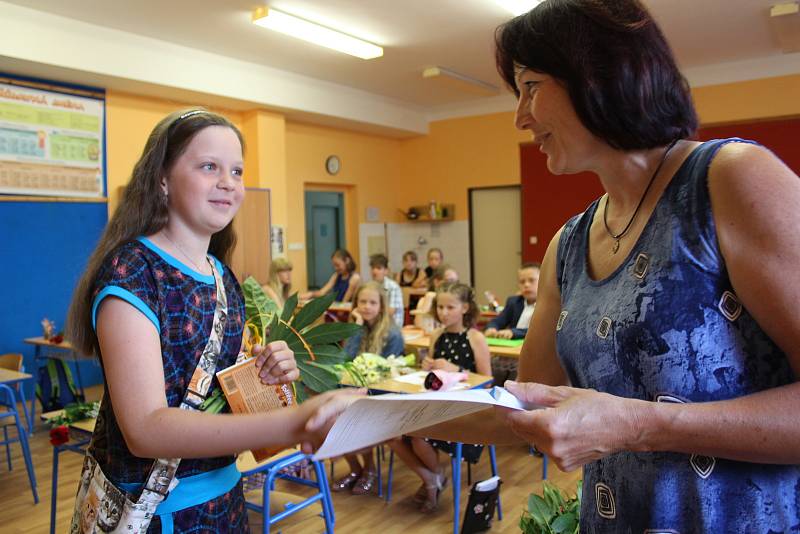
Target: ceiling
x,y
415,34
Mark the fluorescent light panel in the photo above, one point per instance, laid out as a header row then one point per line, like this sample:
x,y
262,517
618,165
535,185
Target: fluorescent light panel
x,y
518,7
314,33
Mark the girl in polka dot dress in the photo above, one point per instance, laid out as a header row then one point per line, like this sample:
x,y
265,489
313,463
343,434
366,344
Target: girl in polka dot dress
x,y
456,346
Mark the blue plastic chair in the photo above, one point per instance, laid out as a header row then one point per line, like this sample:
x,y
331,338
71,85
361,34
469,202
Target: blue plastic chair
x,y
273,470
9,404
455,462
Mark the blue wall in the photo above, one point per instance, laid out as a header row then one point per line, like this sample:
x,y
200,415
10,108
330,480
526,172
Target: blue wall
x,y
44,247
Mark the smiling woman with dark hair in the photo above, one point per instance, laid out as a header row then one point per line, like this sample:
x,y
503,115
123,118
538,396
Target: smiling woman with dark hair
x,y
667,311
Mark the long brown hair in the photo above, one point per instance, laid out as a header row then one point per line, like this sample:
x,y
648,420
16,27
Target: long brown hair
x,y
375,336
347,258
464,294
143,211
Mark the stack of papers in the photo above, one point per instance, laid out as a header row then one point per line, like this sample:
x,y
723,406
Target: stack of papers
x,y
372,420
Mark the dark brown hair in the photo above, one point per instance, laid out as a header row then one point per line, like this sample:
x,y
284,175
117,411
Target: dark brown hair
x,y
349,262
143,211
410,254
379,260
463,293
614,62
436,249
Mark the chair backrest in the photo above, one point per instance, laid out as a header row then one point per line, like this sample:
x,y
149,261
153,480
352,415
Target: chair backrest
x,y
11,361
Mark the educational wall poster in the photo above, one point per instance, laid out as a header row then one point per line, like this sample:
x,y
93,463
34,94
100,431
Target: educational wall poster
x,y
51,143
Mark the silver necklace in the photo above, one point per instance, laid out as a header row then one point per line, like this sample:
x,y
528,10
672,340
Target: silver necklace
x,y
199,270
617,237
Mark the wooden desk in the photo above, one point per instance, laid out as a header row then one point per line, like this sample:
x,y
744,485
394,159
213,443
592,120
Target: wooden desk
x,y
424,342
80,436
8,376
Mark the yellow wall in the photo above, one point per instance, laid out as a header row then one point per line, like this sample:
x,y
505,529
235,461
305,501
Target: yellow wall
x,y
389,173
369,176
458,154
764,99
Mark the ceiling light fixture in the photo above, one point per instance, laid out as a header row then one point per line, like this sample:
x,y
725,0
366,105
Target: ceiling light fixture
x,y
435,72
518,7
314,33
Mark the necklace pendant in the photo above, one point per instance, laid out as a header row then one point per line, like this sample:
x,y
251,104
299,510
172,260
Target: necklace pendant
x,y
615,248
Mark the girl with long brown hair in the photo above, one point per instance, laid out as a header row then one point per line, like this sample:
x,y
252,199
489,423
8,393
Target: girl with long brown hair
x,y
162,311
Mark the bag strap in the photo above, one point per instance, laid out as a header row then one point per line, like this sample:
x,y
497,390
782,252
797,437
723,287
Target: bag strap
x,y
162,474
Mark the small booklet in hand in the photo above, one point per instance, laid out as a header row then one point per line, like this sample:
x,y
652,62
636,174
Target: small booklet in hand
x,y
247,394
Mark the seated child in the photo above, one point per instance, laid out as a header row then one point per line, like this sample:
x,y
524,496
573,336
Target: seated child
x,y
435,259
513,321
456,346
343,282
279,286
379,265
379,336
423,316
411,275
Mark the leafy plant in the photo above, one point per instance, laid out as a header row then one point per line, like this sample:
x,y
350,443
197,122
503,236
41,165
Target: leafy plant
x,y
552,512
319,357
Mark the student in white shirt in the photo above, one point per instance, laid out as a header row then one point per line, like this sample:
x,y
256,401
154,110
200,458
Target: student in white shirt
x,y
379,265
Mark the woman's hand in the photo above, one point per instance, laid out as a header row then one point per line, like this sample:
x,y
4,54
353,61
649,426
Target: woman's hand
x,y
320,413
276,363
490,332
576,426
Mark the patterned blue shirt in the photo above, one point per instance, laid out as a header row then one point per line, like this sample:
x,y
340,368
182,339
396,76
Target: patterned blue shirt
x,y
180,303
667,326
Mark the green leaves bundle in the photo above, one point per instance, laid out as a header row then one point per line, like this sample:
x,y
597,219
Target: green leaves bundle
x,y
552,512
316,346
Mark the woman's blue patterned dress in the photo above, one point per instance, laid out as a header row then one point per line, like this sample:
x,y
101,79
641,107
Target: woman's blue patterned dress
x,y
667,326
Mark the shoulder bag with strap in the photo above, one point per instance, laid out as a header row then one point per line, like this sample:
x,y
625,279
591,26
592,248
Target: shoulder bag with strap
x,y
101,506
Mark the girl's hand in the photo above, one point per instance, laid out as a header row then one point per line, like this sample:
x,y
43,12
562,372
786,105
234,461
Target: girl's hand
x,y
576,426
427,363
276,363
504,334
321,411
357,317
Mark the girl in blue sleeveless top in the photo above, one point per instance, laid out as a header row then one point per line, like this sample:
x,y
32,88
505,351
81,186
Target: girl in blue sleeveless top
x,y
669,305
146,306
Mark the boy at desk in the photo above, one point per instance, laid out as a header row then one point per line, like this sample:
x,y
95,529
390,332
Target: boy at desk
x,y
513,321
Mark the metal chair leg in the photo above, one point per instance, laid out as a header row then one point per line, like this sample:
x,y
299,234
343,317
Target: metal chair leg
x,y
389,477
8,447
493,460
456,461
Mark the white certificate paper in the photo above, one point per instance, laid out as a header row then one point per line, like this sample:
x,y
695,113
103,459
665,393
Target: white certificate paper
x,y
373,420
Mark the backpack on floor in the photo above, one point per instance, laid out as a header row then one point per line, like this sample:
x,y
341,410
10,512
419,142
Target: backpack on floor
x,y
55,387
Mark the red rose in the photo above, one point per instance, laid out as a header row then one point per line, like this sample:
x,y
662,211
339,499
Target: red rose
x,y
59,435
